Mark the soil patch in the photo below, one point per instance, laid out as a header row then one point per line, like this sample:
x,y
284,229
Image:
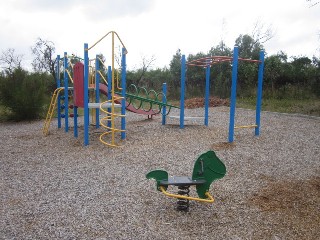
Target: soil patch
x,y
296,202
199,102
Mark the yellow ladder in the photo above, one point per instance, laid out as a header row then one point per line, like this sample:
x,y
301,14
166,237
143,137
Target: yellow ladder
x,y
50,112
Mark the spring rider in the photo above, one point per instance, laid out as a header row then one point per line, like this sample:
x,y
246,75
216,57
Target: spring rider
x,y
207,168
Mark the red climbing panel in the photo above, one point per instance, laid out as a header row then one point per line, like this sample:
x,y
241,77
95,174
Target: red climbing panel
x,y
78,79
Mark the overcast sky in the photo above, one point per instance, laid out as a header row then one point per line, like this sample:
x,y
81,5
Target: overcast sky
x,y
157,27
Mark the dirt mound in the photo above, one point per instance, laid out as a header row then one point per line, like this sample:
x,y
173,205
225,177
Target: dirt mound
x,y
296,202
199,102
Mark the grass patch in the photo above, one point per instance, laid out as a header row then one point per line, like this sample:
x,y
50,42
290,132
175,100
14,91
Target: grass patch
x,y
302,106
3,114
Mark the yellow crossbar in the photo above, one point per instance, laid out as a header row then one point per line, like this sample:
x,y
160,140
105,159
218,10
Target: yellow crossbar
x,y
246,126
209,200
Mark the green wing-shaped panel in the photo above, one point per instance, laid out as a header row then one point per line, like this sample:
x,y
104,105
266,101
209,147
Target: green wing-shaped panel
x,y
208,167
158,175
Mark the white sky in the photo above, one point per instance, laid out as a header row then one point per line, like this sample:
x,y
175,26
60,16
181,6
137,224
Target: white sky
x,y
157,27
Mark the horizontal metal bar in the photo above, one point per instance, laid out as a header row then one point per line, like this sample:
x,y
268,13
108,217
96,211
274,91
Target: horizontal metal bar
x,y
246,126
209,200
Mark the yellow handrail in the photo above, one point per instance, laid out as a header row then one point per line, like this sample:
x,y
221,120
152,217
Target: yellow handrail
x,y
103,78
118,85
70,63
100,60
209,200
52,106
113,32
69,75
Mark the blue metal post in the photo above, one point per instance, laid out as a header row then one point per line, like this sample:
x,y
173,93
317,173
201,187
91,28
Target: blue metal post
x,y
66,101
75,121
123,92
97,91
259,92
109,92
86,93
58,85
206,109
233,93
164,101
182,89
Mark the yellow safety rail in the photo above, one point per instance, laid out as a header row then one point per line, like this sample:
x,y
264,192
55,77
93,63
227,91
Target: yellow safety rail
x,y
68,72
118,85
106,82
112,32
50,112
104,79
209,200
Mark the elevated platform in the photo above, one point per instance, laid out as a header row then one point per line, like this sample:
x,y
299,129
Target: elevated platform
x,y
105,105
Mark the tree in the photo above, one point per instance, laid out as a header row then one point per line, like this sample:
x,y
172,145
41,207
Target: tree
x,y
138,76
10,61
23,94
301,67
196,77
44,59
312,3
272,71
247,72
260,33
248,47
145,65
175,70
315,83
221,72
220,50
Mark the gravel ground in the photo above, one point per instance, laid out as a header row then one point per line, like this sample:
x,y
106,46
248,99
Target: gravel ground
x,y
54,188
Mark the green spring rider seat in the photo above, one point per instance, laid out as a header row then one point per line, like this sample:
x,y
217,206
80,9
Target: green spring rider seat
x,y
207,168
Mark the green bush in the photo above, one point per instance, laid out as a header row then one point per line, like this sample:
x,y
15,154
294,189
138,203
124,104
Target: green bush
x,y
23,94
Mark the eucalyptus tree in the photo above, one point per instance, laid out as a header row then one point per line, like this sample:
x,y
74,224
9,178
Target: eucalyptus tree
x,y
9,60
44,58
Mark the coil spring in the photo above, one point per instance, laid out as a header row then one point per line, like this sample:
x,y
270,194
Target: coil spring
x,y
183,204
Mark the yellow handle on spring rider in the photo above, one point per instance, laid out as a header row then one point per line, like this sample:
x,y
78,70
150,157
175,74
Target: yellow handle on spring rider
x,y
209,200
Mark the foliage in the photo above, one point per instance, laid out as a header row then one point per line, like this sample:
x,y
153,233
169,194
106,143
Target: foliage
x,y
221,73
295,77
287,105
139,76
9,60
286,79
44,59
23,94
248,47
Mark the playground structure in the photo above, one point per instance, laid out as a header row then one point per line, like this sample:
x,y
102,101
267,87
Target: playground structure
x,y
84,79
207,168
87,82
206,63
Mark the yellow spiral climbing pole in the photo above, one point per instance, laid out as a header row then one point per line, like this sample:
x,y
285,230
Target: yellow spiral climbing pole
x,y
110,118
108,122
